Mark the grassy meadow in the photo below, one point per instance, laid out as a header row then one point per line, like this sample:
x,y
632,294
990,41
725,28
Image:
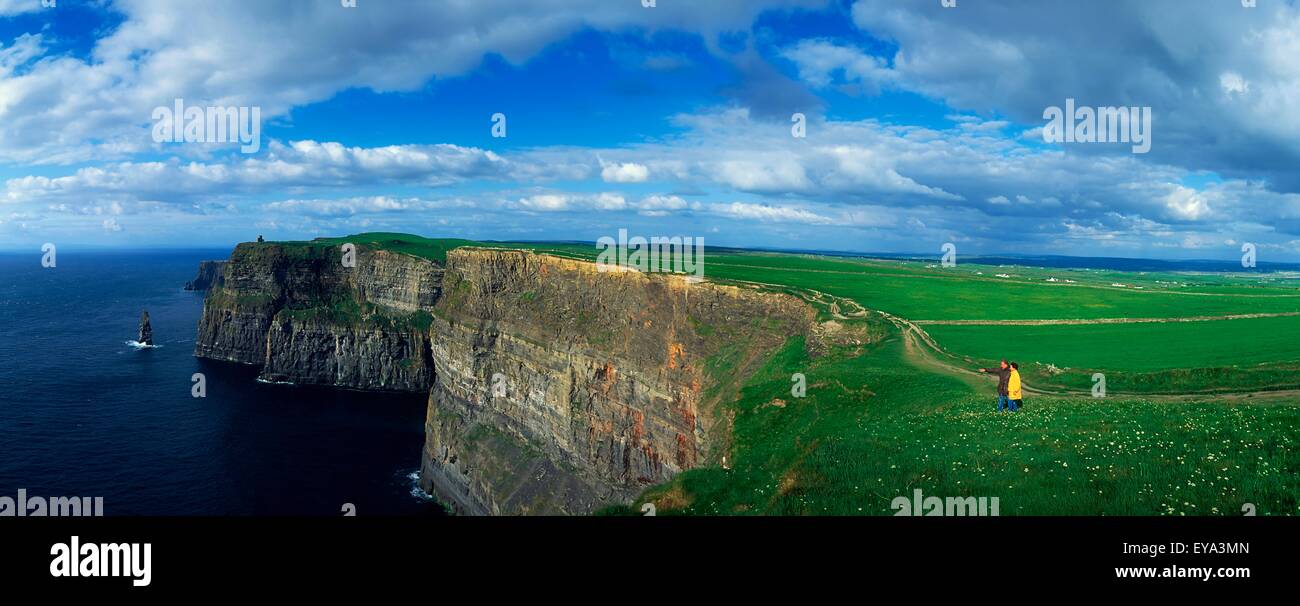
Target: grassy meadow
x,y
872,428
1140,347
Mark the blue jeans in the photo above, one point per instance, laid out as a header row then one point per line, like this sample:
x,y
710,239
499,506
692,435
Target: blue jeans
x,y
1004,401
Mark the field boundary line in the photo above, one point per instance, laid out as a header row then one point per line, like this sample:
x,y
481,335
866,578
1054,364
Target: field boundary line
x,y
1084,321
932,276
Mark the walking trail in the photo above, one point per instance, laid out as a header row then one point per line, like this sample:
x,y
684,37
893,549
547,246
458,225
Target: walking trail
x,y
924,352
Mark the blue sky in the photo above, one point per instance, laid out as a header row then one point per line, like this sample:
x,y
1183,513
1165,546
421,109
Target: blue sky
x,y
923,123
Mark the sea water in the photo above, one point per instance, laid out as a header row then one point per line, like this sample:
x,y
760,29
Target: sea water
x,y
86,413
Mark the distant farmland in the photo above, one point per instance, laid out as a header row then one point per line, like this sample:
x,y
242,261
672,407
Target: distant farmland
x,y
1147,346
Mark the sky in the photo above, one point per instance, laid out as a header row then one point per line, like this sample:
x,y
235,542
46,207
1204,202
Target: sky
x,y
847,125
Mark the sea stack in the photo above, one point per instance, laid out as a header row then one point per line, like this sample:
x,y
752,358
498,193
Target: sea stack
x,y
146,331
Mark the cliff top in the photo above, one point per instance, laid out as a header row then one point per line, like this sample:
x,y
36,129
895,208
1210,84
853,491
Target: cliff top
x,y
434,249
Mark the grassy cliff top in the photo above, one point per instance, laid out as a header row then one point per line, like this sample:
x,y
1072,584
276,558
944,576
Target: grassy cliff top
x,y
434,249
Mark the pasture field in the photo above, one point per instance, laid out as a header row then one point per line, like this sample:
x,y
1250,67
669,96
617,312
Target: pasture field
x,y
934,295
1138,347
873,427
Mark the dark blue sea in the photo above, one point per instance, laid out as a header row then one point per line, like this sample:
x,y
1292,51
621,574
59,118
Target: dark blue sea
x,y
82,413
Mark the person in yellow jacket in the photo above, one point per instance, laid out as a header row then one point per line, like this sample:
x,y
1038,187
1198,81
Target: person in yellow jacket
x,y
1014,389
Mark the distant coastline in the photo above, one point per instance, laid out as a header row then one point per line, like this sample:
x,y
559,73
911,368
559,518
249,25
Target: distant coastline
x,y
1043,261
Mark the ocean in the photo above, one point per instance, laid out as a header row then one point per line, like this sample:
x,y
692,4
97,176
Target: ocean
x,y
84,414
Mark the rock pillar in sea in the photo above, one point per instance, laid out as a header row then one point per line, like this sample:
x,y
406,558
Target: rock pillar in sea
x,y
146,331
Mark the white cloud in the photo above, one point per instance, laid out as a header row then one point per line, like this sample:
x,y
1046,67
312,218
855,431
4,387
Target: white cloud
x,y
660,206
300,164
821,61
280,55
552,202
9,8
1233,83
1186,203
629,172
769,172
347,207
769,213
987,61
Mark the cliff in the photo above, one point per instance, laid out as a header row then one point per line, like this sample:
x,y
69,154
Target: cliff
x,y
302,316
553,388
601,380
210,275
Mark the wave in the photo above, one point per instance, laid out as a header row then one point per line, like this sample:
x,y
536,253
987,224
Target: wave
x,y
139,345
416,491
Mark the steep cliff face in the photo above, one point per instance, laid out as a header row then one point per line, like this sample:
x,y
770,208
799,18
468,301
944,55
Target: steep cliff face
x,y
210,275
325,352
561,389
554,388
302,316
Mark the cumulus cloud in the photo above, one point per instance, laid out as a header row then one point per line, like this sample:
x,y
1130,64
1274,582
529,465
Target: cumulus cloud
x,y
308,164
9,8
1224,82
857,174
552,202
660,206
1167,55
628,172
1186,203
770,213
361,205
824,62
279,55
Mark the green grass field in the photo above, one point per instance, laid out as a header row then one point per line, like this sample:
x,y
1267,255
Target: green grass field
x,y
934,295
1141,347
872,428
881,420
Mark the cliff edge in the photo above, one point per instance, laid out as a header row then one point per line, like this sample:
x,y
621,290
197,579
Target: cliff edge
x,y
211,274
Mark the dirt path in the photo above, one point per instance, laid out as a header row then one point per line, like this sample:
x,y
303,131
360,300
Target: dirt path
x,y
930,276
1081,321
924,352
